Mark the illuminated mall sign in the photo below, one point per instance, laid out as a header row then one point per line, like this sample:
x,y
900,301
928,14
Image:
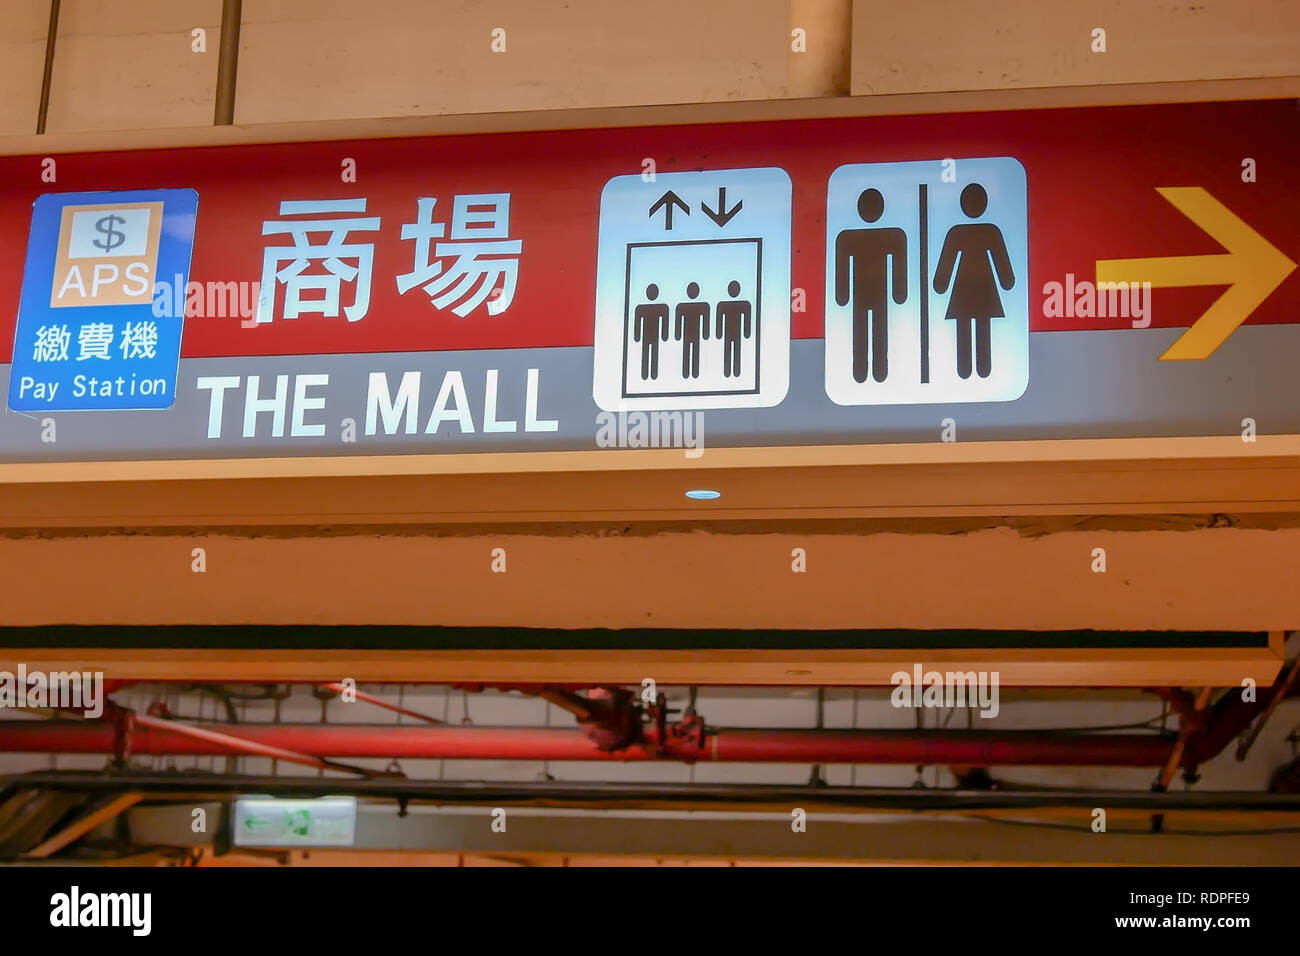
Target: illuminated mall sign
x,y
1093,273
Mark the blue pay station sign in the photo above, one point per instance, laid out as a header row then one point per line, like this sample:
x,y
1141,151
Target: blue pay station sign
x,y
89,336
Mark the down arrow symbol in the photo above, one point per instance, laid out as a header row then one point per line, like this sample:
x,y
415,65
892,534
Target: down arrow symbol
x,y
723,215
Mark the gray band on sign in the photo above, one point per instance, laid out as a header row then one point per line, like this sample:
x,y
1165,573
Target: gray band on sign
x,y
1094,384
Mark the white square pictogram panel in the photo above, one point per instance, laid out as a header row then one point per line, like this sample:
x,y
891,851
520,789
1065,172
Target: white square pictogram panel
x,y
693,291
927,282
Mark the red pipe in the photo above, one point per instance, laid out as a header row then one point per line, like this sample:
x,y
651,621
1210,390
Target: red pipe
x,y
1229,718
229,743
523,743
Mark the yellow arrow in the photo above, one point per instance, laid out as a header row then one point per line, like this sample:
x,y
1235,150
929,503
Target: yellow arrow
x,y
1251,269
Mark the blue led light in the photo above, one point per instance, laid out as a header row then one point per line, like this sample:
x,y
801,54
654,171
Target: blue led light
x,y
703,494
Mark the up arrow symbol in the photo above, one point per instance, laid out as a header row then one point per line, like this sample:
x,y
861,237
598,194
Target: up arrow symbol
x,y
666,203
723,215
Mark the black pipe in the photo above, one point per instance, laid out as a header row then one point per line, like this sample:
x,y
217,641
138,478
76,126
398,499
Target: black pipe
x,y
192,785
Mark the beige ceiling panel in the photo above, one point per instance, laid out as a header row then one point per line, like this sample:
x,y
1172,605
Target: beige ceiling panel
x,y
336,58
1000,44
23,25
130,64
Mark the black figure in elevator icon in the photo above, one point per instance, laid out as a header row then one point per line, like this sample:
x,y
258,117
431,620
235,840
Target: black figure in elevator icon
x,y
975,298
735,322
691,319
862,276
650,327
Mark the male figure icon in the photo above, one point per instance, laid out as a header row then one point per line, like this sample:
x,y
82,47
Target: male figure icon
x,y
691,319
650,327
862,276
735,321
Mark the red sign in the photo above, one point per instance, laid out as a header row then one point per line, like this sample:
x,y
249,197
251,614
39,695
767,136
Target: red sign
x,y
1093,180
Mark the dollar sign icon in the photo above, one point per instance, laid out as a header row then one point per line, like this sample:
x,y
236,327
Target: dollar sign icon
x,y
112,238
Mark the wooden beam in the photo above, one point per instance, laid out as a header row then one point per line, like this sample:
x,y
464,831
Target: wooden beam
x,y
1119,94
81,826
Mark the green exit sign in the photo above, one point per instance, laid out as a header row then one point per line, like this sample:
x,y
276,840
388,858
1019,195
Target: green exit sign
x,y
272,821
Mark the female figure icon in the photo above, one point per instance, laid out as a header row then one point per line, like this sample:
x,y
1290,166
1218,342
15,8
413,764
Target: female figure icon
x,y
976,249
